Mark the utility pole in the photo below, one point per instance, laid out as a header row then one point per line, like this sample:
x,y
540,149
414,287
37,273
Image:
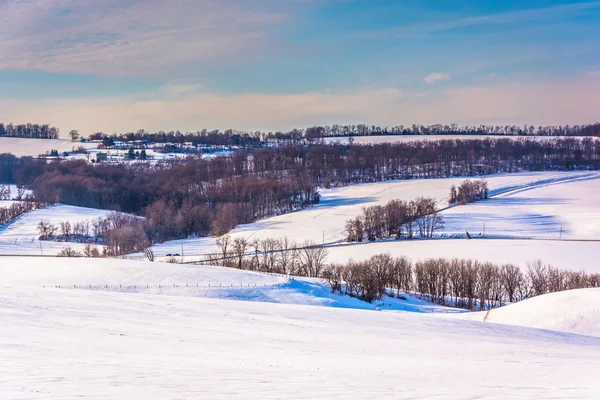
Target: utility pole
x,y
484,229
41,250
323,238
561,228
181,249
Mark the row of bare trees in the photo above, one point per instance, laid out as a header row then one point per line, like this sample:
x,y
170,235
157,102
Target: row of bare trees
x,y
469,191
281,256
396,219
247,139
458,283
30,131
15,210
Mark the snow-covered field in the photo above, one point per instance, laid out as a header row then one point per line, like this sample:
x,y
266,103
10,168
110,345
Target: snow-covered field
x,y
568,209
72,342
62,343
326,221
20,236
34,147
187,280
414,138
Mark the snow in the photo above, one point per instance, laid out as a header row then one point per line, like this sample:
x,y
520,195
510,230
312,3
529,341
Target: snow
x,y
188,280
414,138
572,311
8,203
60,343
567,209
34,147
20,236
121,342
326,221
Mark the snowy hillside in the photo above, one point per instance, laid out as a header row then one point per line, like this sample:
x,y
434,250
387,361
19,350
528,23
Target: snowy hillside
x,y
326,221
61,343
34,147
20,237
573,311
187,280
567,209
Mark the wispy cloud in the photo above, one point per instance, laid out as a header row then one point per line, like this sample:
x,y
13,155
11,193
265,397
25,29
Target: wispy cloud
x,y
436,77
530,14
130,37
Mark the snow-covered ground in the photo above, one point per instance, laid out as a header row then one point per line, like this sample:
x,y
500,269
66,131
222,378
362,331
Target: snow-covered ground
x,y
62,343
326,221
34,147
572,311
21,236
187,280
413,138
566,209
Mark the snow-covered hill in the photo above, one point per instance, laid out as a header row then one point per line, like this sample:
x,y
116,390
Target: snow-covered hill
x,y
187,280
573,311
20,236
326,221
566,209
34,147
61,343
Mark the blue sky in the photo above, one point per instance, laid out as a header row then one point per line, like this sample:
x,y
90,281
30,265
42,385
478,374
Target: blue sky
x,y
118,65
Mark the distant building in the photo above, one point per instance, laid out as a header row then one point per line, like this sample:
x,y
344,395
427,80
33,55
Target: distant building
x,y
101,157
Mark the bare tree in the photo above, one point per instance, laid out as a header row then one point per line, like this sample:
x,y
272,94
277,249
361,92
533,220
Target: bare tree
x,y
46,230
311,258
538,276
149,253
4,192
511,277
240,246
69,252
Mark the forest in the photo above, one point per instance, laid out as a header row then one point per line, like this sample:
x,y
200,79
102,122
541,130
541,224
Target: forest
x,y
29,131
247,139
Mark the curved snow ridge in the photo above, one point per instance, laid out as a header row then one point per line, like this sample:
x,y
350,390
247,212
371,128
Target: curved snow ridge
x,y
573,311
75,272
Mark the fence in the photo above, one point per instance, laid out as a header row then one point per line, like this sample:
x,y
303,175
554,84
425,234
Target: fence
x,y
169,286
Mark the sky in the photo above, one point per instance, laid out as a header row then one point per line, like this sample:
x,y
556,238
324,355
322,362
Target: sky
x,y
123,65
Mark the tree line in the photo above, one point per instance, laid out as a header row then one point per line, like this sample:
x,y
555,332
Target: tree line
x,y
252,139
15,210
461,283
29,131
396,219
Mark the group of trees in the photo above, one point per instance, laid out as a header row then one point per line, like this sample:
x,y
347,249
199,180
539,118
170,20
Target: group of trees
x,y
246,139
281,256
118,233
396,219
15,210
458,283
469,191
29,131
